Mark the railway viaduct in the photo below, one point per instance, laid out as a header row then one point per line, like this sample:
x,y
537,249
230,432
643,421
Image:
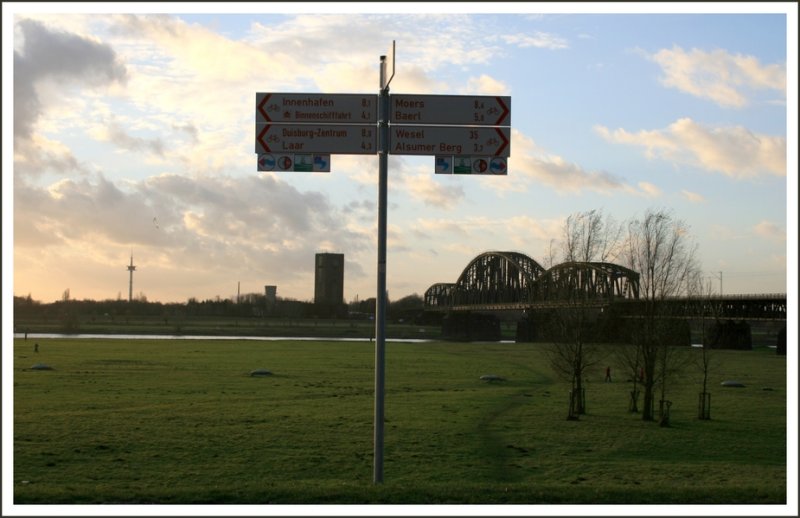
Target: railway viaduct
x,y
511,285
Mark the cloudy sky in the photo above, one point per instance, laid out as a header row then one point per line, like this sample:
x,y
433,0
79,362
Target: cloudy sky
x,y
134,133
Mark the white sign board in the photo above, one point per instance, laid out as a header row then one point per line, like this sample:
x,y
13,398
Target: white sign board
x,y
449,140
316,108
459,110
316,139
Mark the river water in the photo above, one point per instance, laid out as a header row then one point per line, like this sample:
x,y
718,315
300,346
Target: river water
x,y
211,337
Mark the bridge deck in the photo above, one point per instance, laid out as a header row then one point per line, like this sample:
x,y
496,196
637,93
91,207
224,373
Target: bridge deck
x,y
771,306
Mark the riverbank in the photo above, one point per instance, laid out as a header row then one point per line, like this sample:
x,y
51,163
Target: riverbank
x,y
227,326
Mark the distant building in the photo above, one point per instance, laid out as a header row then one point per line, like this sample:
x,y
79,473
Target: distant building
x,y
270,300
271,293
329,284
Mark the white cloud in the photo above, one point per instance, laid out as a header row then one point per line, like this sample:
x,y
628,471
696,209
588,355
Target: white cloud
x,y
38,154
733,151
196,52
771,231
525,230
486,85
649,190
438,39
425,227
537,39
254,227
529,163
117,135
432,191
693,196
51,55
718,75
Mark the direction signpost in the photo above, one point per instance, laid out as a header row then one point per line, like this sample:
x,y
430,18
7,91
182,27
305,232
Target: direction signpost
x,y
319,108
449,140
467,135
459,110
317,138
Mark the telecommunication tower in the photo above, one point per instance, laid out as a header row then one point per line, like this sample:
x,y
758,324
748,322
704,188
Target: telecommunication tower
x,y
131,268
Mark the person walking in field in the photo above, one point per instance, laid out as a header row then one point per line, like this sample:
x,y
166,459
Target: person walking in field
x,y
608,374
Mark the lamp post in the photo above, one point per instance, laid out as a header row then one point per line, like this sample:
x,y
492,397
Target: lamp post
x,y
720,282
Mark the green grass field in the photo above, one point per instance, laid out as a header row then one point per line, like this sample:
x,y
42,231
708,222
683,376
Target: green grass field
x,y
182,422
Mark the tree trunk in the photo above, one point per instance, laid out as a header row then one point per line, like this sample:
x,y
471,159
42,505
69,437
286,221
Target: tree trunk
x,y
633,406
664,412
704,406
572,415
579,395
647,408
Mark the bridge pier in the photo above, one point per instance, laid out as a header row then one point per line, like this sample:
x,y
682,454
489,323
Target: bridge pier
x,y
468,327
728,334
544,325
781,345
527,330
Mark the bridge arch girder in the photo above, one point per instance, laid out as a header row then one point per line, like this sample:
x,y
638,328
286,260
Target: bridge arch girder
x,y
589,281
494,277
439,295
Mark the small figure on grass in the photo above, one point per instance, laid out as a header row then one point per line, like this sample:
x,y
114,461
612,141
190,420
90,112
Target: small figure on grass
x,y
36,347
608,374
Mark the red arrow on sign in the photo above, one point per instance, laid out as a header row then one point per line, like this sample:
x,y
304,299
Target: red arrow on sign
x,y
260,138
261,107
503,115
505,142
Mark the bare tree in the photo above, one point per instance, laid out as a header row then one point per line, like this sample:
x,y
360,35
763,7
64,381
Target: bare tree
x,y
631,360
591,236
658,246
550,260
709,310
670,360
571,354
587,237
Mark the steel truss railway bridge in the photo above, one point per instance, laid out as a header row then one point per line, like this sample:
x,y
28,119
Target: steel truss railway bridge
x,y
510,281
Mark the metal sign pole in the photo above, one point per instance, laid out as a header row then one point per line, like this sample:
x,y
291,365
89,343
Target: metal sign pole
x,y
445,128
380,300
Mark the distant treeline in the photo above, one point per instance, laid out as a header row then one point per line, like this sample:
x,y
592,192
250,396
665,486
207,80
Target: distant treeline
x,y
248,306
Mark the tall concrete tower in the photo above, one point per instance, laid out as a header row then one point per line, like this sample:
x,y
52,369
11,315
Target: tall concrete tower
x,y
271,293
131,268
271,296
329,283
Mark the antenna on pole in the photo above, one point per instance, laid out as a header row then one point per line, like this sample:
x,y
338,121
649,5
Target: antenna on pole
x,y
387,66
